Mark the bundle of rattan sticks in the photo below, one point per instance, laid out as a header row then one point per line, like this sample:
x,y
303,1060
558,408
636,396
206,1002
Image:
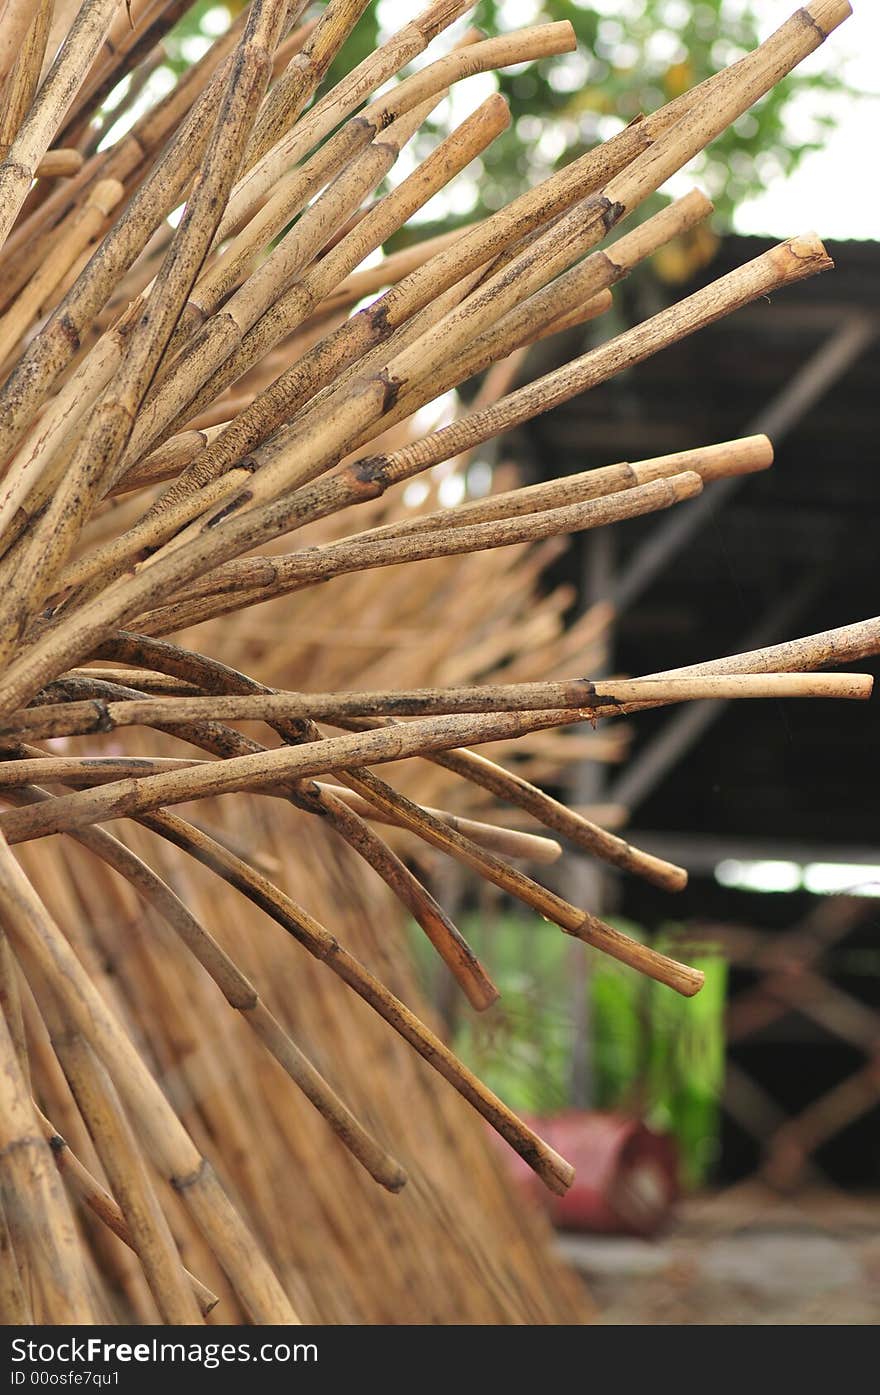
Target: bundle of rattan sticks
x,y
181,395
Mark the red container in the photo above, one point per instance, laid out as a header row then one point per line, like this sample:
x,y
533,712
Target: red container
x,y
625,1174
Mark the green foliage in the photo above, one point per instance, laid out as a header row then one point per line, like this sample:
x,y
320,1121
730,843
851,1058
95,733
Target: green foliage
x,y
685,1069
652,1053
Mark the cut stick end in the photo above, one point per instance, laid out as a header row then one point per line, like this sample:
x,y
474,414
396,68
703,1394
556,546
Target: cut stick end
x,y
565,38
667,876
803,256
743,457
497,109
685,485
695,206
737,457
393,1179
692,980
481,993
554,1170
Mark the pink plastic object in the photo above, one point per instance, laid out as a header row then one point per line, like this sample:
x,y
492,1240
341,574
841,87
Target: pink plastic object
x,y
625,1174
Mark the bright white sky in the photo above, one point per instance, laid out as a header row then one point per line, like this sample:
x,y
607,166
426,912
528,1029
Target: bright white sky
x,y
835,191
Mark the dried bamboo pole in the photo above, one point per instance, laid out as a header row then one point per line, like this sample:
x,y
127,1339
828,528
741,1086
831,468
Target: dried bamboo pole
x,y
22,82
507,841
290,94
102,1204
67,644
159,194
143,319
83,232
161,190
788,262
290,195
295,570
78,770
732,93
449,943
37,1214
418,290
513,788
15,1309
247,585
88,771
553,1170
56,93
205,362
385,744
520,46
583,292
120,1157
15,19
591,698
241,994
35,937
111,424
743,456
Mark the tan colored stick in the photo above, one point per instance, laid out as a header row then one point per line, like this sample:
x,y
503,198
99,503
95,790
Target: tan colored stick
x,y
509,842
83,231
121,1159
108,430
553,1170
67,719
102,1204
246,585
53,101
37,1213
22,83
37,938
742,456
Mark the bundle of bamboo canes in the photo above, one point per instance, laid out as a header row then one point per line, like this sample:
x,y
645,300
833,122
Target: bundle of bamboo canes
x,y
180,396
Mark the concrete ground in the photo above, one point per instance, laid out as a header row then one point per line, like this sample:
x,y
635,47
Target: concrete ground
x,y
744,1256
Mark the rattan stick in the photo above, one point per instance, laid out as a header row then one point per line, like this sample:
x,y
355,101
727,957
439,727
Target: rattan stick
x,y
550,1167
241,994
102,1204
22,82
36,937
599,698
56,93
121,1159
37,1213
252,582
509,842
111,424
